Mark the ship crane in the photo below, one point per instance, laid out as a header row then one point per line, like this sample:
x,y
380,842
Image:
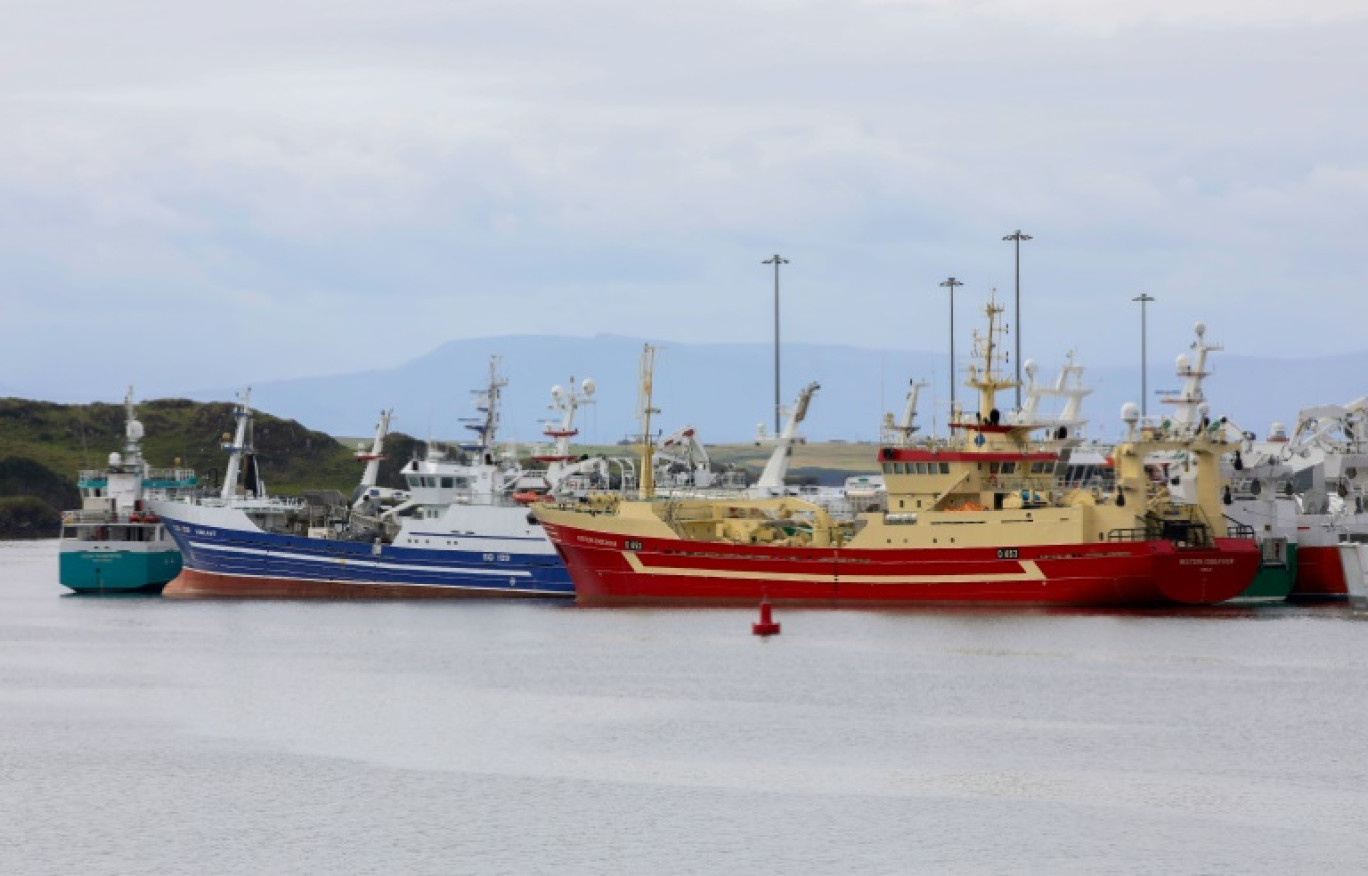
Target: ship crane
x,y
682,448
772,478
368,493
900,432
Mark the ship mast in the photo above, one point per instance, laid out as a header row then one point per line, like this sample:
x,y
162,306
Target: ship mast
x,y
1190,401
644,411
238,446
133,433
560,433
987,381
487,403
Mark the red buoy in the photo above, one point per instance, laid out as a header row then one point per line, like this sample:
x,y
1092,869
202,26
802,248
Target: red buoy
x,y
766,626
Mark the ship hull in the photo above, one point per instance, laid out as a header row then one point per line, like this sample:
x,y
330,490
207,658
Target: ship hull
x,y
114,567
611,569
1320,574
1275,580
224,556
192,583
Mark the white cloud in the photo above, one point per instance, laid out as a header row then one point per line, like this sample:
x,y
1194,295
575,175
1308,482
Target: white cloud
x,y
296,173
1096,17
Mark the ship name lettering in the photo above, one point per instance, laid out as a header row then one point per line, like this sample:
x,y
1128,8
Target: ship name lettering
x,y
600,542
1215,561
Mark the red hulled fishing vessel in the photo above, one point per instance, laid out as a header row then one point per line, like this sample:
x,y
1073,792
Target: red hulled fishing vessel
x,y
980,518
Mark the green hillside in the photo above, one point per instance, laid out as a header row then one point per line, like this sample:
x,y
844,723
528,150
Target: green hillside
x,y
67,438
43,445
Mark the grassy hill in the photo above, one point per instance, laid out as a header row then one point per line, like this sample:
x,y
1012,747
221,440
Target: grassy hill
x,y
43,445
67,438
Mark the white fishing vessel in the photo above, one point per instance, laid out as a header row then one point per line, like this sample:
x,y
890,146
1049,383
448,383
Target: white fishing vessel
x,y
454,531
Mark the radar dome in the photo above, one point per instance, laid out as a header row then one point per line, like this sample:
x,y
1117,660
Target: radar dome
x,y
557,391
115,459
134,430
1183,363
589,386
1029,366
1130,413
1200,329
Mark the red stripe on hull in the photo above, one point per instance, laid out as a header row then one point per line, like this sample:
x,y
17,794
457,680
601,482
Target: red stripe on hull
x,y
1130,574
1320,574
193,584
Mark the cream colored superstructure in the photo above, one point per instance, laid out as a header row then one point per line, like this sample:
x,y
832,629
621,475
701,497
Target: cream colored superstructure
x,y
991,485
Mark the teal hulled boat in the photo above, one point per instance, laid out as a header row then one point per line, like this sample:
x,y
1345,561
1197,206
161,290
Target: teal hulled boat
x,y
113,543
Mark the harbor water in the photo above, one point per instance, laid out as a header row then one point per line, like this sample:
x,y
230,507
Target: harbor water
x,y
152,735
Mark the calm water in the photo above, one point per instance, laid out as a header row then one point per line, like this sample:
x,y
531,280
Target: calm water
x,y
145,735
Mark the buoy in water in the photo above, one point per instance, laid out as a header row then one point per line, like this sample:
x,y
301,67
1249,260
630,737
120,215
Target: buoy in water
x,y
766,626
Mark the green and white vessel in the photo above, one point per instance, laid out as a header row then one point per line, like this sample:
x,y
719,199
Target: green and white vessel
x,y
113,543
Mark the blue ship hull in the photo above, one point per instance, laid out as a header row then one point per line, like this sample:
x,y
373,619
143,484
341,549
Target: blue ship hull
x,y
219,561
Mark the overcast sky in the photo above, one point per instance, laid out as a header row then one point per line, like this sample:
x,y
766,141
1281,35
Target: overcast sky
x,y
200,194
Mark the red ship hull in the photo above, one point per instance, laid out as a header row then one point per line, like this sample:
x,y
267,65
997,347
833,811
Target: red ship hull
x,y
1320,575
611,569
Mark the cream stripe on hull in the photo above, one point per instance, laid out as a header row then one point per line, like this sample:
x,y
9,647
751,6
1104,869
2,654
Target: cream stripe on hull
x,y
1031,572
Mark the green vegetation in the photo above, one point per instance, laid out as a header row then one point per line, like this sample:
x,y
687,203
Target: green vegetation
x,y
28,517
44,445
67,438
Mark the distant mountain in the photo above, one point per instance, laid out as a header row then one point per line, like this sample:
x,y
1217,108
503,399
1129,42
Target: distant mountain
x,y
725,390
